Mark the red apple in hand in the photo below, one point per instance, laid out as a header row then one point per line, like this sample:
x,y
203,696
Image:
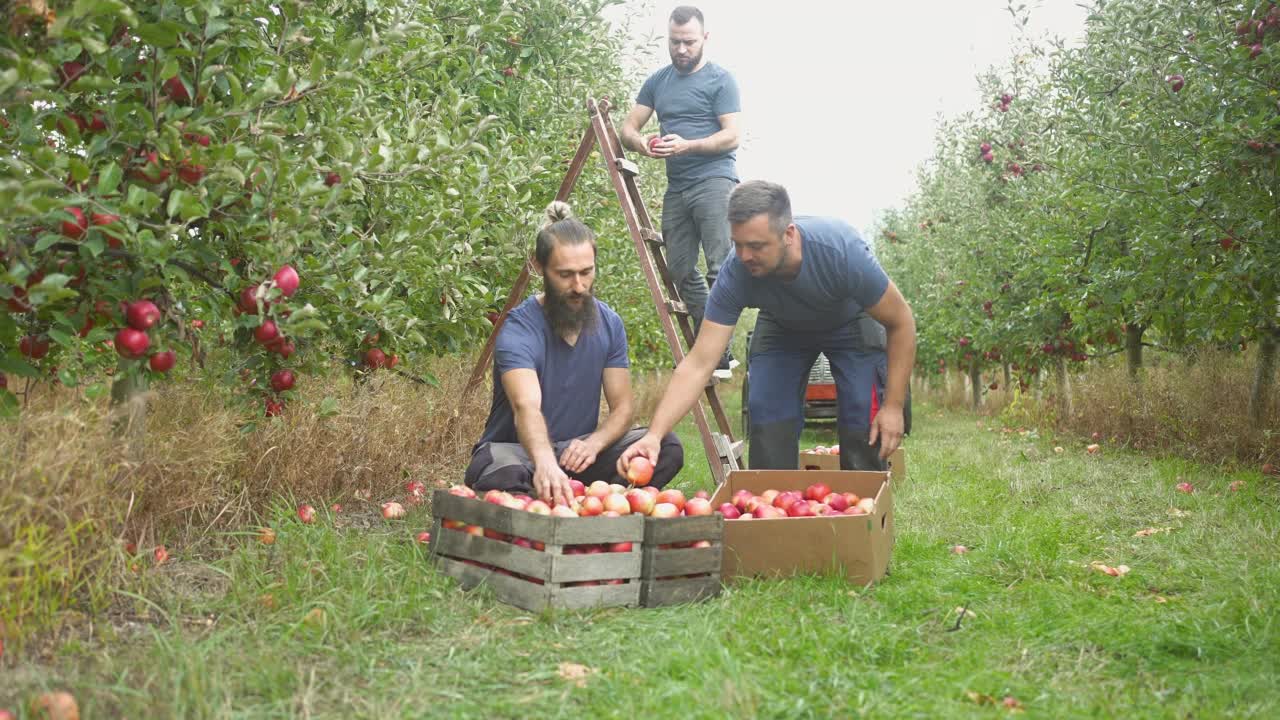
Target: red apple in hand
x,y
639,471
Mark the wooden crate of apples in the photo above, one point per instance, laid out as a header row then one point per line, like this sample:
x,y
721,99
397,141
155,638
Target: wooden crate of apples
x,y
591,553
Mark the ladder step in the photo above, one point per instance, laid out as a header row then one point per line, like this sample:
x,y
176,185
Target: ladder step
x,y
652,237
712,381
677,308
626,167
727,449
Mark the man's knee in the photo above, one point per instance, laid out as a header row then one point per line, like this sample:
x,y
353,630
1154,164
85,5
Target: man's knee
x,y
670,460
482,475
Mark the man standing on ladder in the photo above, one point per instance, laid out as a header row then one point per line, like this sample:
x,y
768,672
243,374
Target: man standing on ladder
x,y
812,278
698,108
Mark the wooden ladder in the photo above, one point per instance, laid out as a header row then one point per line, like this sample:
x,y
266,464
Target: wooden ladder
x,y
723,453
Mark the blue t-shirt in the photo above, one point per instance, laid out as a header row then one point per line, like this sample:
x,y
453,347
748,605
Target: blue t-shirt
x,y
839,276
690,106
571,376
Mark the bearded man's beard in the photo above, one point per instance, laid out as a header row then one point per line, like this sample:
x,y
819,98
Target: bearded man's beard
x,y
563,317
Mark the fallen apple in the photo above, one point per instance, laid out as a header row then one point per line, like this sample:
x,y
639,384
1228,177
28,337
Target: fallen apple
x,y
266,536
424,538
306,514
392,510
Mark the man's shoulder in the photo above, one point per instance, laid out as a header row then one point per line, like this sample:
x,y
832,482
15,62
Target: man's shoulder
x,y
610,316
717,71
660,75
827,231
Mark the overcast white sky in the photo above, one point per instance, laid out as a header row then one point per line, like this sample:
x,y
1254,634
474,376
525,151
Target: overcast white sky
x,y
841,99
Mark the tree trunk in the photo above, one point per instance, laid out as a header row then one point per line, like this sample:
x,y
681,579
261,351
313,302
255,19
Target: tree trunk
x,y
1008,379
1264,376
129,408
1133,349
975,380
1060,386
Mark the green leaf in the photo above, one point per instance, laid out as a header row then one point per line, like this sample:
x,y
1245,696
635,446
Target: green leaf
x,y
14,366
109,179
329,407
162,34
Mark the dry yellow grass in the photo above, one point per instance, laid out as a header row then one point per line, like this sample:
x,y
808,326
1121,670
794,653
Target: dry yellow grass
x,y
1195,407
73,496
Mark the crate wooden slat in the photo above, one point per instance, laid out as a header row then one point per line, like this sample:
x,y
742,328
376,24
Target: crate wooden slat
x,y
551,575
533,597
663,581
679,591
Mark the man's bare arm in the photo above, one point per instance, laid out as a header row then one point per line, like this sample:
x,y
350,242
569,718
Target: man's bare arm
x,y
525,394
630,136
893,312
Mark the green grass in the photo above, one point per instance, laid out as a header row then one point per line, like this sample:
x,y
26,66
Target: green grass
x,y
1065,640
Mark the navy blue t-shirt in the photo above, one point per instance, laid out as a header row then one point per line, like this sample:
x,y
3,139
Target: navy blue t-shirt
x,y
571,376
839,276
690,106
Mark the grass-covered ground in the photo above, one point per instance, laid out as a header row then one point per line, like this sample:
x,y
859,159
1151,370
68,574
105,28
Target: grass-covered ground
x,y
354,623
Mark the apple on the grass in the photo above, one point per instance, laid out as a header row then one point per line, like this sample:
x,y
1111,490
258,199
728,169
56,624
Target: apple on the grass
x,y
392,510
306,513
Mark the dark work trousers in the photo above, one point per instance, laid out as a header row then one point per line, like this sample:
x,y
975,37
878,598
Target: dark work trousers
x,y
779,370
506,466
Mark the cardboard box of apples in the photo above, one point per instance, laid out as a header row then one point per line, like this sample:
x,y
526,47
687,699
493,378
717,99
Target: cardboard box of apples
x,y
783,522
821,457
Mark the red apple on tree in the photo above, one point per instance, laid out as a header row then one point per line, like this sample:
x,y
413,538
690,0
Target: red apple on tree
x,y
141,314
75,228
266,332
177,90
332,178
33,347
282,380
131,343
1175,82
163,362
286,278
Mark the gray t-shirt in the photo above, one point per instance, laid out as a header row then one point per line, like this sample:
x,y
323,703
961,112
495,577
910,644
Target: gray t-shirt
x,y
839,276
690,106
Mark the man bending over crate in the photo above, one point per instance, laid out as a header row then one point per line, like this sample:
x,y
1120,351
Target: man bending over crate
x,y
812,278
554,354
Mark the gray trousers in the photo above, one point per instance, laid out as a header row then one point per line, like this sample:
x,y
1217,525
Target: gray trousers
x,y
506,466
697,219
